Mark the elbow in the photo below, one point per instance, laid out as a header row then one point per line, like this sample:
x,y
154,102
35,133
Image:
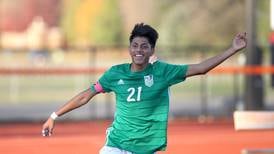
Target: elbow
x,y
80,101
83,101
197,69
85,97
203,71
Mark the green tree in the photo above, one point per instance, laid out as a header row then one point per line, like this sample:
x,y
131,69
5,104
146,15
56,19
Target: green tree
x,y
263,23
67,19
201,22
91,22
107,30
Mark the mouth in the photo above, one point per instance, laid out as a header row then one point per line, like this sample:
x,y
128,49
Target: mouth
x,y
138,58
139,55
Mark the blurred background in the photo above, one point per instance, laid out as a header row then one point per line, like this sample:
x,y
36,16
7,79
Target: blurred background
x,y
51,50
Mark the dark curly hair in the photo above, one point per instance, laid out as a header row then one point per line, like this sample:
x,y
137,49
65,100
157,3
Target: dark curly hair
x,y
143,30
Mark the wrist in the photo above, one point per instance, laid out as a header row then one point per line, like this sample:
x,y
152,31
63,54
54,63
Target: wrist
x,y
53,116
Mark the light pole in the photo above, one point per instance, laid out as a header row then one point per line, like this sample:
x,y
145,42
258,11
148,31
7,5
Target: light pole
x,y
271,39
254,91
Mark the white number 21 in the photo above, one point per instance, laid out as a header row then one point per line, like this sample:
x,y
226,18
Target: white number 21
x,y
131,94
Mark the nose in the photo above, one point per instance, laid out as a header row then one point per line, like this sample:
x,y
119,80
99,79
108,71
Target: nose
x,y
139,50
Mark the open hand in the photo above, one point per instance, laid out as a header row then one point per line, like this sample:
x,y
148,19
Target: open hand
x,y
240,41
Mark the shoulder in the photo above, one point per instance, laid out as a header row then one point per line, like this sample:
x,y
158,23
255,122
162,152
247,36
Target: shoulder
x,y
164,66
118,68
160,64
114,72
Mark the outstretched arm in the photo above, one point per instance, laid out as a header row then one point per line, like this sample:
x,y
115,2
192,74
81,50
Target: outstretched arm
x,y
77,101
239,42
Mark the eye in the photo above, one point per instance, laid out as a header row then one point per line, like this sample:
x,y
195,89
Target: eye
x,y
134,45
145,46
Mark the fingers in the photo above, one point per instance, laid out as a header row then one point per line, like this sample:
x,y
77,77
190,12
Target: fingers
x,y
47,127
153,59
241,35
245,38
46,132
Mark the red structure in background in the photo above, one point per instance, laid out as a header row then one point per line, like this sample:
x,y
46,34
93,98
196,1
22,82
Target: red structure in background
x,y
16,15
271,38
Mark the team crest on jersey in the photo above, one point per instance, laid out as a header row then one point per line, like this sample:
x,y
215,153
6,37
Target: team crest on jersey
x,y
148,80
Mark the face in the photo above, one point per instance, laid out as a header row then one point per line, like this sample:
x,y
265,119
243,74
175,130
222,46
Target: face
x,y
140,50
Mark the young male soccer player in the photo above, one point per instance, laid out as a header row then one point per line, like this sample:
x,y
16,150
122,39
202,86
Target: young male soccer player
x,y
142,99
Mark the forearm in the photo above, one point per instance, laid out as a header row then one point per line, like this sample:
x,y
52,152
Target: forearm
x,y
77,101
212,62
209,64
239,42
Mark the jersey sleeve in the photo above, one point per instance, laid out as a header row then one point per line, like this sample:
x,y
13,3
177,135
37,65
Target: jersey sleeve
x,y
103,84
97,88
175,73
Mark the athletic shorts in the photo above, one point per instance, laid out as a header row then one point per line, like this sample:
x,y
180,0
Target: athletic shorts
x,y
113,150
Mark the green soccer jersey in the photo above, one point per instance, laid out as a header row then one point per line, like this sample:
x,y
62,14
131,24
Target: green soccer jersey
x,y
142,105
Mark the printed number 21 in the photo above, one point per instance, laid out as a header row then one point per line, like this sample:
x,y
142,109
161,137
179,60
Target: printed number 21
x,y
131,94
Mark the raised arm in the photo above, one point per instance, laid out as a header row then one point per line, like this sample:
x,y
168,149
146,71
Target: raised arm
x,y
239,42
77,101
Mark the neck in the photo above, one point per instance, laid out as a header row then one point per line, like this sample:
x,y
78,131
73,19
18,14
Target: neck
x,y
137,68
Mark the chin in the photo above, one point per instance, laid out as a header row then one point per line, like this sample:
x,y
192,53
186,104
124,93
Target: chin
x,y
138,63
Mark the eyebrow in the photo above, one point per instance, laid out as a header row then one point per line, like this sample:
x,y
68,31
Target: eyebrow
x,y
145,43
